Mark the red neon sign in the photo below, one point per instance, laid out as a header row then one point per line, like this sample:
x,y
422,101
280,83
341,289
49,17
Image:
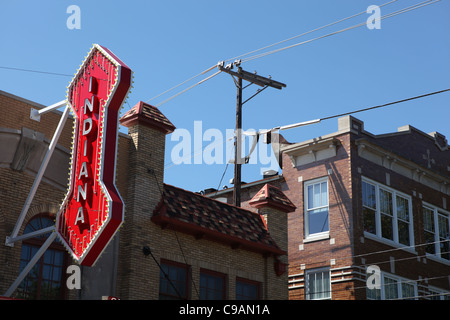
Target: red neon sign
x,y
93,210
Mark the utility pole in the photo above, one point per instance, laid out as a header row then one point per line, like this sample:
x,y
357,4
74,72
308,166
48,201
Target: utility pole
x,y
238,147
253,78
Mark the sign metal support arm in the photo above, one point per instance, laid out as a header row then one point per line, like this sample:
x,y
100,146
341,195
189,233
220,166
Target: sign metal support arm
x,y
31,264
51,147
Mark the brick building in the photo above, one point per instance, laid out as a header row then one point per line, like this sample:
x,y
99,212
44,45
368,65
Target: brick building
x,y
173,244
365,203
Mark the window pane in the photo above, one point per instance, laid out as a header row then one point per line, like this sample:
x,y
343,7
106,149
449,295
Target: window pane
x,y
390,288
324,194
403,232
386,227
428,226
247,290
44,281
172,282
317,194
428,220
444,236
407,290
318,285
385,202
443,226
369,220
402,209
373,294
368,193
211,287
318,221
310,197
429,240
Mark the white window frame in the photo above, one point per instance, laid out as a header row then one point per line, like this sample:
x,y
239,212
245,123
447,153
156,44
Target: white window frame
x,y
436,212
317,235
378,235
399,281
326,291
438,293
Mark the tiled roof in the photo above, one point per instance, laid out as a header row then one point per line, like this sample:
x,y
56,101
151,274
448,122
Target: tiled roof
x,y
274,197
213,220
149,115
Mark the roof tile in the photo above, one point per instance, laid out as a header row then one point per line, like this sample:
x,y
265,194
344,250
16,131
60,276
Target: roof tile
x,y
193,213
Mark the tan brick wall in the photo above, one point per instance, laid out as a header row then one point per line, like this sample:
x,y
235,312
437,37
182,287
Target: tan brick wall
x,y
15,186
138,276
140,159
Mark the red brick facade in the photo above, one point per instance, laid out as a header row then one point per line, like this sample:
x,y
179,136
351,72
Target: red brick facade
x,y
410,165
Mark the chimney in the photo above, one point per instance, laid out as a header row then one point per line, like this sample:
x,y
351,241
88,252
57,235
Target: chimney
x,y
274,206
147,128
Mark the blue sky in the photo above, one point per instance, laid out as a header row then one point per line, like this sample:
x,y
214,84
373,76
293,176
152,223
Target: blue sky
x,y
167,42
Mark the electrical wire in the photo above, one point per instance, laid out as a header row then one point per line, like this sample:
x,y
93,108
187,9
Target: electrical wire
x,y
416,6
386,284
200,150
187,89
160,188
413,7
305,33
180,84
36,71
398,12
386,104
404,10
290,126
322,262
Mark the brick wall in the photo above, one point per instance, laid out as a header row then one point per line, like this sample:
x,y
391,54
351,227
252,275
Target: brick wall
x,y
138,275
15,185
336,250
413,264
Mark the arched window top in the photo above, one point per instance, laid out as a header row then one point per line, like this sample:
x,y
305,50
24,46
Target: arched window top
x,y
38,223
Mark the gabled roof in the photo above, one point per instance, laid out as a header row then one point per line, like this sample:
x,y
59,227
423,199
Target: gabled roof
x,y
273,197
206,218
149,115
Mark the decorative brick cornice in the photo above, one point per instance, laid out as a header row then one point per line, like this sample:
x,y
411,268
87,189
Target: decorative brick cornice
x,y
149,116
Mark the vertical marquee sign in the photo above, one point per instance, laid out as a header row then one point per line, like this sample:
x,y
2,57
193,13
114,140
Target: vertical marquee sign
x,y
93,210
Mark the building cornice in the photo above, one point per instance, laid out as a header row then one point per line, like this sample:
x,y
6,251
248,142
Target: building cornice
x,y
401,165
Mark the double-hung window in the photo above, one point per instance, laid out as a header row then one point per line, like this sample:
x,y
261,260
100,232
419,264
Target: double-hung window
x,y
212,285
393,288
386,213
436,228
247,289
318,284
316,208
173,281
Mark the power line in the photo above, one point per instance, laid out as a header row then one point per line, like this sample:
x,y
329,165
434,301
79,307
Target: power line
x,y
305,33
187,89
192,78
290,126
160,188
413,7
386,104
398,12
37,71
401,11
401,281
381,252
